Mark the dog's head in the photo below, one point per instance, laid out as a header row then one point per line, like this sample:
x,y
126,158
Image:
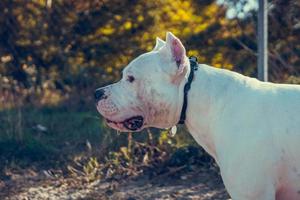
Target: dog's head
x,y
150,92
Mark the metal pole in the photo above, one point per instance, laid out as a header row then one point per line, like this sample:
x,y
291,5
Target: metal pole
x,y
262,30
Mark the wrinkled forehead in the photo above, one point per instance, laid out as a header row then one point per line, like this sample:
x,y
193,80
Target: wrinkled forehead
x,y
148,62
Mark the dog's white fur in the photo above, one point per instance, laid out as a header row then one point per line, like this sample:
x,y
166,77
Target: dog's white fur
x,y
251,128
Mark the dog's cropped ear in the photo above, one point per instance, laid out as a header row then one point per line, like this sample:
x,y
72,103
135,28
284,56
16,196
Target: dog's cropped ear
x,y
159,44
177,51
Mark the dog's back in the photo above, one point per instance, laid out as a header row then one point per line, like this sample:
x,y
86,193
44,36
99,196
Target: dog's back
x,y
285,114
263,121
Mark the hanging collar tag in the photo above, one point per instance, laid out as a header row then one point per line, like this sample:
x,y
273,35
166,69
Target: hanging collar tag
x,y
172,131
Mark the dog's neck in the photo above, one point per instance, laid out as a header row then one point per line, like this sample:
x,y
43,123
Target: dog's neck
x,y
204,105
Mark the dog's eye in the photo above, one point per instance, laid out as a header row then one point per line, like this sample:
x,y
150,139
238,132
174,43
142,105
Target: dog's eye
x,y
130,79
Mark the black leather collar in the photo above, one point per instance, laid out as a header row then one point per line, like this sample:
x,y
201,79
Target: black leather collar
x,y
187,87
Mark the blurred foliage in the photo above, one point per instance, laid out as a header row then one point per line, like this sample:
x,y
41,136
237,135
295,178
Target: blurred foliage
x,y
149,157
54,51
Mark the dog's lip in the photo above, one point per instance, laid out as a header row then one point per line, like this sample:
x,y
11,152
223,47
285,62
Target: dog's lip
x,y
133,123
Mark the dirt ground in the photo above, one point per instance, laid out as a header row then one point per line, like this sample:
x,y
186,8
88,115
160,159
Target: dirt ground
x,y
198,183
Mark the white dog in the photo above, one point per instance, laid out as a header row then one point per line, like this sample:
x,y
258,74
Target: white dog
x,y
251,128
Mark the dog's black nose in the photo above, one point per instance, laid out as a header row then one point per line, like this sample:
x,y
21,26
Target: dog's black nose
x,y
99,94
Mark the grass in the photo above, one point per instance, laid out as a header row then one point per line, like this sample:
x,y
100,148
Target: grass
x,y
54,136
38,134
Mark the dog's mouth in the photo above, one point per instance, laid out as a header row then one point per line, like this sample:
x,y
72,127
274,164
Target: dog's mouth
x,y
132,123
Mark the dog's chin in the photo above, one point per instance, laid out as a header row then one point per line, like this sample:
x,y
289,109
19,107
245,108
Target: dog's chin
x,y
132,124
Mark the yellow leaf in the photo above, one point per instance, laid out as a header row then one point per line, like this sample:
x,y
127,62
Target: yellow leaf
x,y
127,25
